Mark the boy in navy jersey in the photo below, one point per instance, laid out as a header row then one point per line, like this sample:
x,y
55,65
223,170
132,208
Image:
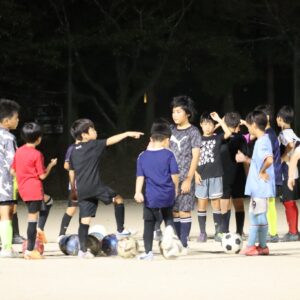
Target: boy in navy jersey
x,y
157,167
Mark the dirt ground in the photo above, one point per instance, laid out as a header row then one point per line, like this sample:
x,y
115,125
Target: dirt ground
x,y
206,273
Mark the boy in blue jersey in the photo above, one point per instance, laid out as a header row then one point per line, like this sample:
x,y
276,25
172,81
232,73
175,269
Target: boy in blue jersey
x,y
157,167
260,184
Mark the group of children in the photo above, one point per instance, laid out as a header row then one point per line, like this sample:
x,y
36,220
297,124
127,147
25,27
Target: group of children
x,y
178,166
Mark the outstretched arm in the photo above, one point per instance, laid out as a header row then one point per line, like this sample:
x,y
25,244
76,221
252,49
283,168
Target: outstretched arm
x,y
119,137
49,168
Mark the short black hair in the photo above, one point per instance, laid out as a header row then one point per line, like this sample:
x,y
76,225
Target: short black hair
x,y
206,117
187,104
286,113
8,108
259,118
160,130
232,119
267,109
30,132
79,127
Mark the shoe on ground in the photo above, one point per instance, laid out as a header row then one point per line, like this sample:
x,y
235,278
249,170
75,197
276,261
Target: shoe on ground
x,y
157,235
17,239
273,238
125,233
202,237
218,237
11,253
34,254
146,256
86,254
263,251
250,251
184,251
290,237
40,235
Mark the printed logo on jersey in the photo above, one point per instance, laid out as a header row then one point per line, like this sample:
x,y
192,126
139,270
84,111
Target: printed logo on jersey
x,y
207,152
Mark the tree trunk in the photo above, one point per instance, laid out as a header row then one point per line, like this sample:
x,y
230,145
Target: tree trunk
x,y
270,83
297,84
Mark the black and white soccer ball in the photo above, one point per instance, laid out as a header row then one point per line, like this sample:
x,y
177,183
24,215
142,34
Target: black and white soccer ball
x,y
232,243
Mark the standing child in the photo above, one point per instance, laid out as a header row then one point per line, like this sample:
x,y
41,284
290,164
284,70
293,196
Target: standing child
x,y
209,173
9,119
292,182
85,161
287,139
28,165
157,167
260,184
185,143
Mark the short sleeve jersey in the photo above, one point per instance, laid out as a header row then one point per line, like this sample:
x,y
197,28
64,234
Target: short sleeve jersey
x,y
157,166
68,153
285,137
210,164
85,161
29,165
256,187
181,143
276,155
8,147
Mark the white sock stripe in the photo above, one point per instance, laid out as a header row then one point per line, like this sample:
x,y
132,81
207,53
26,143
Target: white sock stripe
x,y
202,214
217,212
176,219
186,220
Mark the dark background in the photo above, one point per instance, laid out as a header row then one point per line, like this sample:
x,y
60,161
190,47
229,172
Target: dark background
x,y
99,59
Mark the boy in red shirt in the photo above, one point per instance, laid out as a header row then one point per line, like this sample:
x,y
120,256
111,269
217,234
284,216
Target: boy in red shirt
x,y
28,164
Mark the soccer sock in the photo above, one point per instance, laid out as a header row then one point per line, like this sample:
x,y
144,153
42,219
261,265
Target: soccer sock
x,y
65,224
224,222
148,235
291,212
217,220
177,226
31,235
253,229
185,228
6,233
120,216
240,219
44,214
202,220
272,217
262,230
228,220
83,234
15,224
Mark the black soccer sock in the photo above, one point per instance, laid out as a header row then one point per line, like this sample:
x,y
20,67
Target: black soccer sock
x,y
217,220
177,226
148,235
228,214
65,224
202,220
185,228
225,222
239,218
83,234
120,216
44,215
15,224
31,235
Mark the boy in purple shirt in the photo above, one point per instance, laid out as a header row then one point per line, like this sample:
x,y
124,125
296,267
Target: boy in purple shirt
x,y
157,167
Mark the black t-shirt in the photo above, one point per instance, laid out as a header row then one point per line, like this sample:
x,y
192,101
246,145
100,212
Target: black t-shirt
x,y
85,161
210,164
236,142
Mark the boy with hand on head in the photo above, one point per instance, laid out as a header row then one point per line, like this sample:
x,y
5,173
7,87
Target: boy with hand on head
x,y
287,140
260,184
209,173
28,166
9,120
85,161
157,167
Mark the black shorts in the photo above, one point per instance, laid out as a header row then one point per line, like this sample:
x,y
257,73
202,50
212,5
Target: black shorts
x,y
287,194
34,206
233,190
9,202
154,214
88,207
107,195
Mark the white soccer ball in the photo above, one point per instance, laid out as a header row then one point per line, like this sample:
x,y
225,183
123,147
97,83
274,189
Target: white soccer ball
x,y
128,247
98,229
170,246
232,243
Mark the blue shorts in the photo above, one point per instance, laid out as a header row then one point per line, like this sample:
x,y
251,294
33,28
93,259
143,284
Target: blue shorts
x,y
210,188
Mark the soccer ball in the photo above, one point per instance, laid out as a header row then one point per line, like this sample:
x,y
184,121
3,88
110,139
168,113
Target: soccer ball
x,y
232,243
128,247
93,244
98,229
110,245
170,246
69,244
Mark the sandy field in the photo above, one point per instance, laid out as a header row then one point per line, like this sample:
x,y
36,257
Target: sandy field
x,y
206,273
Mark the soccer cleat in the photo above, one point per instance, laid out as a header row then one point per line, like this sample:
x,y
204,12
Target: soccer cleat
x,y
40,235
17,239
86,254
290,237
146,256
157,235
250,251
202,237
34,254
125,233
184,251
263,251
11,253
273,238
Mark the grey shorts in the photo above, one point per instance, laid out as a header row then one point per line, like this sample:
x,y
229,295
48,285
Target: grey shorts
x,y
185,202
210,188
